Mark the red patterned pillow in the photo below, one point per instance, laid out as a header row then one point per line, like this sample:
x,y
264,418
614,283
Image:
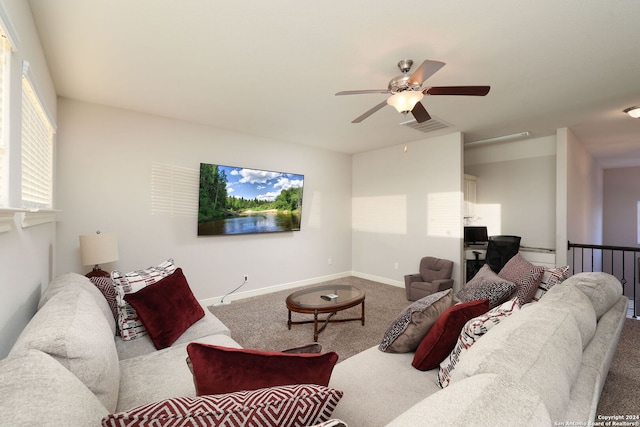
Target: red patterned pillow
x,y
292,405
442,337
166,308
105,285
130,325
219,369
525,275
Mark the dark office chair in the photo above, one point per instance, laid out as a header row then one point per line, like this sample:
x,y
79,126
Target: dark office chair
x,y
501,249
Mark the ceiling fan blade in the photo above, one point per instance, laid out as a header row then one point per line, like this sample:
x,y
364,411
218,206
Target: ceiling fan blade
x,y
457,90
427,69
359,92
369,112
420,113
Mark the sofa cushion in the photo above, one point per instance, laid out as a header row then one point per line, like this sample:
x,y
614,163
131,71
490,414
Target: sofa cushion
x,y
573,300
36,390
550,278
603,289
379,386
412,324
486,284
441,338
166,308
72,329
538,346
482,400
129,323
525,275
68,282
208,325
218,369
282,406
471,332
159,375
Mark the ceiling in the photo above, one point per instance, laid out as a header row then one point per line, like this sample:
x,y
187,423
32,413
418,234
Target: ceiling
x,y
271,68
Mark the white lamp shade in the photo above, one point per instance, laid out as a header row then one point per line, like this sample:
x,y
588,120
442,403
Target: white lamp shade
x,y
404,102
98,248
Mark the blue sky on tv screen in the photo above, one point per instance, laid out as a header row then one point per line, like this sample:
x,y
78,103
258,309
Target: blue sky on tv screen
x,y
260,184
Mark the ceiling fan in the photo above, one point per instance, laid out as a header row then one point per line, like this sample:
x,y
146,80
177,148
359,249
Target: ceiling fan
x,y
406,90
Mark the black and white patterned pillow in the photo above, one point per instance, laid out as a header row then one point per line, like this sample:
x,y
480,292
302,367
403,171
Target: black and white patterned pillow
x,y
408,329
486,285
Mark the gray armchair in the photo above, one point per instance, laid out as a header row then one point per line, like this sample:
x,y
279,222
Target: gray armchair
x,y
434,276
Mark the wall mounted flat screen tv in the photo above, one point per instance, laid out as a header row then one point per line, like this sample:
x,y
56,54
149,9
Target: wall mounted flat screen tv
x,y
474,235
235,200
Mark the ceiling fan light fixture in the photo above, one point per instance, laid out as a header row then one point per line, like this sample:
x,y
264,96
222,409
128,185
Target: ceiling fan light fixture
x,y
404,101
633,111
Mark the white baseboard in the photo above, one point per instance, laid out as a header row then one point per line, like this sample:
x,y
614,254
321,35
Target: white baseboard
x,y
262,291
384,280
307,282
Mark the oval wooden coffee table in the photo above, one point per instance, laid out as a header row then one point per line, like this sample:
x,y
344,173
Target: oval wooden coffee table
x,y
324,299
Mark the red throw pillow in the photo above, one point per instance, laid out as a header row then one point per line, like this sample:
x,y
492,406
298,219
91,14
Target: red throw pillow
x,y
219,369
442,337
167,308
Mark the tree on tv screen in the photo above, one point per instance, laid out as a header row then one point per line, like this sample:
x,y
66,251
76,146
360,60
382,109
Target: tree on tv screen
x,y
216,203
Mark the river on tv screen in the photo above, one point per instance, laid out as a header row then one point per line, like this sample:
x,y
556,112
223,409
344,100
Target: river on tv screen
x,y
235,200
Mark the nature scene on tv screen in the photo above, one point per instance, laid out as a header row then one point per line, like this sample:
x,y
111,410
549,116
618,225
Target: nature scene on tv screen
x,y
235,200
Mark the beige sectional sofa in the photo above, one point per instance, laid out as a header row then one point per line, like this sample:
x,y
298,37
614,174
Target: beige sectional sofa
x,y
67,368
545,363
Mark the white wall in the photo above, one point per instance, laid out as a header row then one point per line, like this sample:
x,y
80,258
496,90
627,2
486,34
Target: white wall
x,y
516,189
621,195
584,193
407,205
104,174
620,225
26,255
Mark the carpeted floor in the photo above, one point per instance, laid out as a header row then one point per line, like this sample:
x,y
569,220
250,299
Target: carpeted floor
x,y
261,323
621,391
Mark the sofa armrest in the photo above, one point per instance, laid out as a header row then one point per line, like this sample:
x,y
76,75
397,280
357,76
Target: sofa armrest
x,y
442,284
410,278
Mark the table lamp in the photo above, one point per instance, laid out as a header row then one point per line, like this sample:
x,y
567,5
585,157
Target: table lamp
x,y
99,248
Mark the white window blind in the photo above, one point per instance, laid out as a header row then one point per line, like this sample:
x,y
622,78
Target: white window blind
x,y
37,151
5,54
174,190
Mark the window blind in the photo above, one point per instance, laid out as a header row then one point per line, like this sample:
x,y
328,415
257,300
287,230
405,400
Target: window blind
x,y
37,151
5,51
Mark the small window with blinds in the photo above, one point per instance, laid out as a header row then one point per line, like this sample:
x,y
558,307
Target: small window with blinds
x,y
37,151
5,55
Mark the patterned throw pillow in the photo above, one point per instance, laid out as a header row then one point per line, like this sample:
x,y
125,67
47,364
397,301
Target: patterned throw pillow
x,y
292,405
525,275
471,332
105,285
409,328
486,284
130,325
550,278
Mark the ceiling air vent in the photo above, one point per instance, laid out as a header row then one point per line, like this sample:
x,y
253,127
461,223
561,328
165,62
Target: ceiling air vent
x,y
428,126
